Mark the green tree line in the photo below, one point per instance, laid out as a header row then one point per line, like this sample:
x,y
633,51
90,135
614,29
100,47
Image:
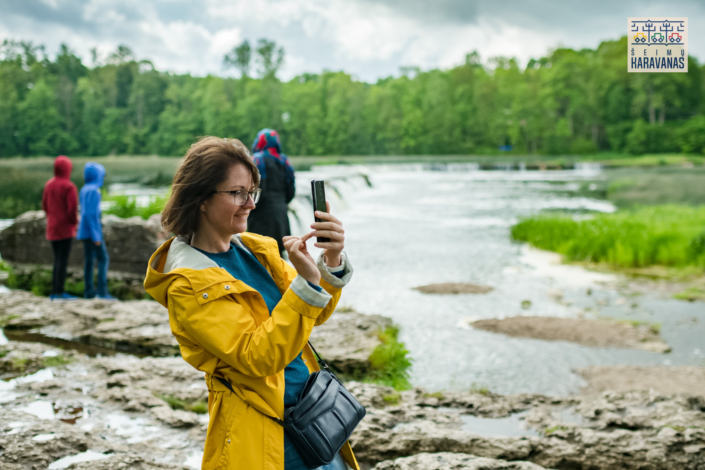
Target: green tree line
x,y
569,102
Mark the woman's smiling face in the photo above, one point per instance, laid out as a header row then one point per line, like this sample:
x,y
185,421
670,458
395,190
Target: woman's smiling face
x,y
220,213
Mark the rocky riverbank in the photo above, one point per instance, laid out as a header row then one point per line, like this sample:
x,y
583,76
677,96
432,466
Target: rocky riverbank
x,y
148,413
68,409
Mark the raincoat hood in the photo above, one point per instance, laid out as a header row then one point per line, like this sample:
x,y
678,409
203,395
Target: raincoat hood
x,y
62,167
267,140
268,146
94,173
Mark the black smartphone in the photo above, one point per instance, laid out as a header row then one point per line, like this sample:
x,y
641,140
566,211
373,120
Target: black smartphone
x,y
318,194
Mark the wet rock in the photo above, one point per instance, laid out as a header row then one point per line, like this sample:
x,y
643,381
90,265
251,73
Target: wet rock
x,y
452,461
139,326
130,242
21,358
454,288
28,443
373,444
172,377
663,379
175,418
634,430
595,333
347,339
125,462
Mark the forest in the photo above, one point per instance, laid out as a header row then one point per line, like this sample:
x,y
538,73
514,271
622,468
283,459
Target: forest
x,y
570,102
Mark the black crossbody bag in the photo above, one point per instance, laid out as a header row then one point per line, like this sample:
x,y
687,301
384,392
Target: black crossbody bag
x,y
323,419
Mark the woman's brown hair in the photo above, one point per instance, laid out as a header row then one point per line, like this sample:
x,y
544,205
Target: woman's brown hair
x,y
205,165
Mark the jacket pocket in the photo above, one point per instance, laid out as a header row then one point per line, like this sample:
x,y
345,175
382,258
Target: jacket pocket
x,y
221,407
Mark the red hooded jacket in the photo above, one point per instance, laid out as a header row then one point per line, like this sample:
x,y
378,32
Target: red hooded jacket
x,y
60,201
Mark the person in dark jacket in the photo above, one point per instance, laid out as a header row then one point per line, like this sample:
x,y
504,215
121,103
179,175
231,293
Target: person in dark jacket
x,y
60,202
90,231
270,218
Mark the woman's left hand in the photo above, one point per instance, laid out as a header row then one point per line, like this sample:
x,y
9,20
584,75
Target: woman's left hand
x,y
331,228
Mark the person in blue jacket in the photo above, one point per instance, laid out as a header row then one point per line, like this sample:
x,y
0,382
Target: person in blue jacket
x,y
90,231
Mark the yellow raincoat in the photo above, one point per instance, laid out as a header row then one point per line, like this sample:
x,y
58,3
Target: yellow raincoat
x,y
224,329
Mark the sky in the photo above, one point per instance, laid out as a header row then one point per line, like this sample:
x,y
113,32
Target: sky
x,y
370,39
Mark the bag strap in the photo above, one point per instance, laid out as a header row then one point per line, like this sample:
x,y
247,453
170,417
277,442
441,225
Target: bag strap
x,y
321,363
320,360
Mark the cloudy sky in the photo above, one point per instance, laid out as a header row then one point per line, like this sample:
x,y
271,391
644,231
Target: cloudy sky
x,y
367,38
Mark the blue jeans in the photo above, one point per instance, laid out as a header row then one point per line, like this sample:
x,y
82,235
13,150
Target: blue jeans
x,y
292,461
90,251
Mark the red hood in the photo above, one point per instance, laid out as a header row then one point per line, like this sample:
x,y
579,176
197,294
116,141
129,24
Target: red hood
x,y
62,167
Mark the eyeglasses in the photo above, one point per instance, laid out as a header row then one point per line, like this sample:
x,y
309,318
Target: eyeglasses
x,y
241,195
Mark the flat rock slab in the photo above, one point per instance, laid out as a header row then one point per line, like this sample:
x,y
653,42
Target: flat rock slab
x,y
662,379
129,461
135,326
452,461
454,288
631,430
18,359
595,333
141,327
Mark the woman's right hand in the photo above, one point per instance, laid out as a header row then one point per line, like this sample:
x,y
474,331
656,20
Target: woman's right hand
x,y
301,259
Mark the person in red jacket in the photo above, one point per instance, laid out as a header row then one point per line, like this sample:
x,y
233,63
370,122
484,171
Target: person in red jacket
x,y
60,202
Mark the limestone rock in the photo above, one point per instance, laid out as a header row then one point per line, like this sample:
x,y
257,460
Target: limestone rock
x,y
35,444
347,339
136,326
452,461
175,418
130,242
125,462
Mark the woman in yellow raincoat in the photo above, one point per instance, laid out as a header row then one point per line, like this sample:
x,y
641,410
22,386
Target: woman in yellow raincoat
x,y
240,313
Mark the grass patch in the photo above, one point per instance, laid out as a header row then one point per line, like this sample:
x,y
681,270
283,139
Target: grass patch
x,y
4,320
38,281
56,361
654,328
554,429
198,406
126,206
389,362
4,352
345,309
691,294
481,389
629,187
634,323
652,161
22,180
19,363
392,398
438,395
660,235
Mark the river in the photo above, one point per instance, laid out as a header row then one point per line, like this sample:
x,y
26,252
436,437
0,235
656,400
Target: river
x,y
417,225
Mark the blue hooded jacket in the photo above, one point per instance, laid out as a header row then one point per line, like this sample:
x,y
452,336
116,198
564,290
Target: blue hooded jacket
x,y
90,228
